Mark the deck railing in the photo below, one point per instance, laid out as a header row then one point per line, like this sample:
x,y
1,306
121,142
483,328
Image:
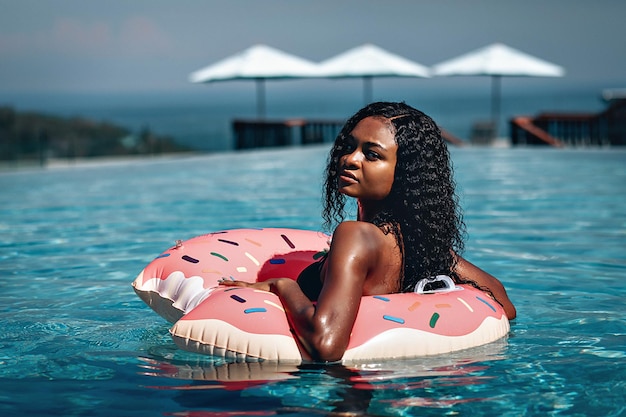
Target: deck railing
x,y
572,129
262,133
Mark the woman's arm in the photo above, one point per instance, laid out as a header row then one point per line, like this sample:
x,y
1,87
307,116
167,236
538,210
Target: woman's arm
x,y
324,328
469,271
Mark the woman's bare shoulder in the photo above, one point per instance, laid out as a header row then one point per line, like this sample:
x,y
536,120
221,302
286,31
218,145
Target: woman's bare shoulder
x,y
355,229
371,252
357,236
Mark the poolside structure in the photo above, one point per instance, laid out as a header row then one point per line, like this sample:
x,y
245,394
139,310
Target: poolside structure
x,y
258,63
367,62
496,61
294,132
606,128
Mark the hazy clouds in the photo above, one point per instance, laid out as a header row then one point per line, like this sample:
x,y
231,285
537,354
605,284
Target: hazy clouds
x,y
140,45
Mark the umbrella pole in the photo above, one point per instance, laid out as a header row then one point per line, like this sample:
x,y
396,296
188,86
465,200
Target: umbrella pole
x,y
495,103
367,89
260,98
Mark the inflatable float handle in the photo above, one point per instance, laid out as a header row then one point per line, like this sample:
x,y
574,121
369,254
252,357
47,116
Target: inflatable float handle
x,y
440,283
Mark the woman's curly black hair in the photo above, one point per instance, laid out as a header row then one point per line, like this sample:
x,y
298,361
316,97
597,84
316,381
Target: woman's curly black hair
x,y
422,209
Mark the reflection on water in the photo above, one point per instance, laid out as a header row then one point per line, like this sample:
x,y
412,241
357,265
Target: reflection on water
x,y
386,387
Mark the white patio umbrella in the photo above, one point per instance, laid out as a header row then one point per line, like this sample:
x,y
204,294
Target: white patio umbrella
x,y
497,61
368,61
259,63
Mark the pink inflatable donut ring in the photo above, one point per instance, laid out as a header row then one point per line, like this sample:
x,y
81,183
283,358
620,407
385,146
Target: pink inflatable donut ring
x,y
243,324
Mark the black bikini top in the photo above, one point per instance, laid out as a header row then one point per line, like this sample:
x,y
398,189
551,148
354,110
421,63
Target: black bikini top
x,y
310,279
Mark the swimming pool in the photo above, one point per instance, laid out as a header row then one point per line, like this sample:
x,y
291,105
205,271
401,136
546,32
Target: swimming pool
x,y
76,340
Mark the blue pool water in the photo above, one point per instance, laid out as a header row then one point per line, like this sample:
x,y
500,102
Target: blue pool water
x,y
75,340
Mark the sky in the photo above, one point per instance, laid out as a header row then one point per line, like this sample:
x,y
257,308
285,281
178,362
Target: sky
x,y
152,46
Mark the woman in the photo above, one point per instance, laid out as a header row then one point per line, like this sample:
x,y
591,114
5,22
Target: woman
x,y
391,158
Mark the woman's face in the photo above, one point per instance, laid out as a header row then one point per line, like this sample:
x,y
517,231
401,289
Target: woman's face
x,y
366,169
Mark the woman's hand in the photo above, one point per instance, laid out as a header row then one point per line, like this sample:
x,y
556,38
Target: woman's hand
x,y
467,270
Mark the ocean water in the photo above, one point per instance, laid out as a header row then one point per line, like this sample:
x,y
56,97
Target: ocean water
x,y
77,341
202,119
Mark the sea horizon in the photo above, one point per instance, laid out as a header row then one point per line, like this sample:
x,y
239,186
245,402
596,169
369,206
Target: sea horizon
x,y
202,118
